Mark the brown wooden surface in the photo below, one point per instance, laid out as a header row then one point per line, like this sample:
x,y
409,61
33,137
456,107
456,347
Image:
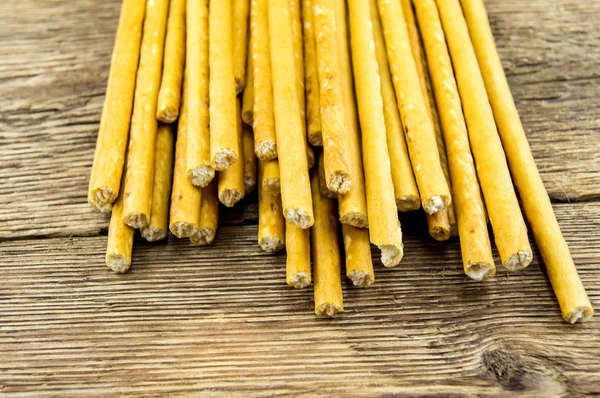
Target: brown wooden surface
x,y
220,320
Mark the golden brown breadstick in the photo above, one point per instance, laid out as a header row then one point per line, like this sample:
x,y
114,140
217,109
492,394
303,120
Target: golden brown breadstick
x,y
105,181
359,265
322,184
199,166
240,42
157,228
405,187
209,216
325,254
169,96
418,127
271,179
384,226
293,165
353,205
265,140
137,198
503,208
120,240
249,160
248,95
311,77
271,224
297,262
231,181
336,145
569,290
224,149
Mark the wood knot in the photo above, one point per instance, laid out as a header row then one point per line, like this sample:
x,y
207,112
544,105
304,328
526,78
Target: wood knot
x,y
502,365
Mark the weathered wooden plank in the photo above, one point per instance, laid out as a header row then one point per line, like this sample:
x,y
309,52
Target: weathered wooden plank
x,y
55,59
222,321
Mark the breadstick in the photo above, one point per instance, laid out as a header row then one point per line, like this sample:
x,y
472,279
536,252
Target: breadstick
x,y
105,180
231,181
333,117
271,180
359,265
249,160
498,191
325,254
311,77
157,228
209,216
248,95
137,199
297,262
271,224
224,149
265,140
418,127
384,226
405,188
295,184
240,42
322,184
353,205
185,198
569,290
120,240
199,166
169,96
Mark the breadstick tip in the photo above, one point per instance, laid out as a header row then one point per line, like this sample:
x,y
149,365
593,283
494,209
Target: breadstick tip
x,y
339,182
579,314
117,263
360,278
391,255
299,218
204,236
358,220
223,159
229,197
299,280
328,309
518,261
182,229
201,176
167,114
408,203
480,271
153,234
271,244
266,150
436,203
439,233
136,220
102,198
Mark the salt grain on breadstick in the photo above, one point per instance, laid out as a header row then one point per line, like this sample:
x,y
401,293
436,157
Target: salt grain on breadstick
x,y
209,216
240,42
249,160
297,262
231,181
271,224
248,95
311,77
357,248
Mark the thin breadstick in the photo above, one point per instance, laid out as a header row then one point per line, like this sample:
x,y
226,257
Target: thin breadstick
x,y
271,180
352,205
311,77
293,165
240,42
333,117
157,228
224,148
248,95
384,226
120,240
405,188
209,216
107,170
231,181
271,224
325,254
169,96
265,140
359,265
505,215
137,198
322,184
569,290
249,160
184,217
418,127
199,166
297,262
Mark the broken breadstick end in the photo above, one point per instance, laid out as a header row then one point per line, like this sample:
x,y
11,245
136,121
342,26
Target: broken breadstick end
x,y
518,261
408,203
230,197
266,150
328,309
103,207
182,229
391,255
271,244
360,278
480,271
579,314
136,220
299,218
339,182
440,233
435,203
167,115
153,234
223,159
117,263
102,198
358,220
204,236
201,176
299,280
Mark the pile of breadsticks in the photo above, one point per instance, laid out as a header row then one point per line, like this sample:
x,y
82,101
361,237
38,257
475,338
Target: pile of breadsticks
x,y
335,110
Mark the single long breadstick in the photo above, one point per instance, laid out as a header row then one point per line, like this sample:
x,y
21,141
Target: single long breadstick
x,y
501,201
384,226
271,224
240,42
271,179
333,117
569,290
224,148
157,228
120,240
231,181
297,262
405,188
107,170
169,96
311,76
293,165
265,140
249,160
209,216
199,166
352,205
418,127
184,217
325,254
137,199
322,184
359,265
248,95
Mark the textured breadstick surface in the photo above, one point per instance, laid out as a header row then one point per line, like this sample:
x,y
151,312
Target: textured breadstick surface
x,y
120,240
311,76
249,160
240,42
248,94
271,223
297,262
209,216
271,179
107,170
231,181
357,248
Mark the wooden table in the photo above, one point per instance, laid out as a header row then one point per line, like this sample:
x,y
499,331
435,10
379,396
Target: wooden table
x,y
220,320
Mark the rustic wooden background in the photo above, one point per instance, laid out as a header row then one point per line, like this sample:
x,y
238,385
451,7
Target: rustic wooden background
x,y
220,320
